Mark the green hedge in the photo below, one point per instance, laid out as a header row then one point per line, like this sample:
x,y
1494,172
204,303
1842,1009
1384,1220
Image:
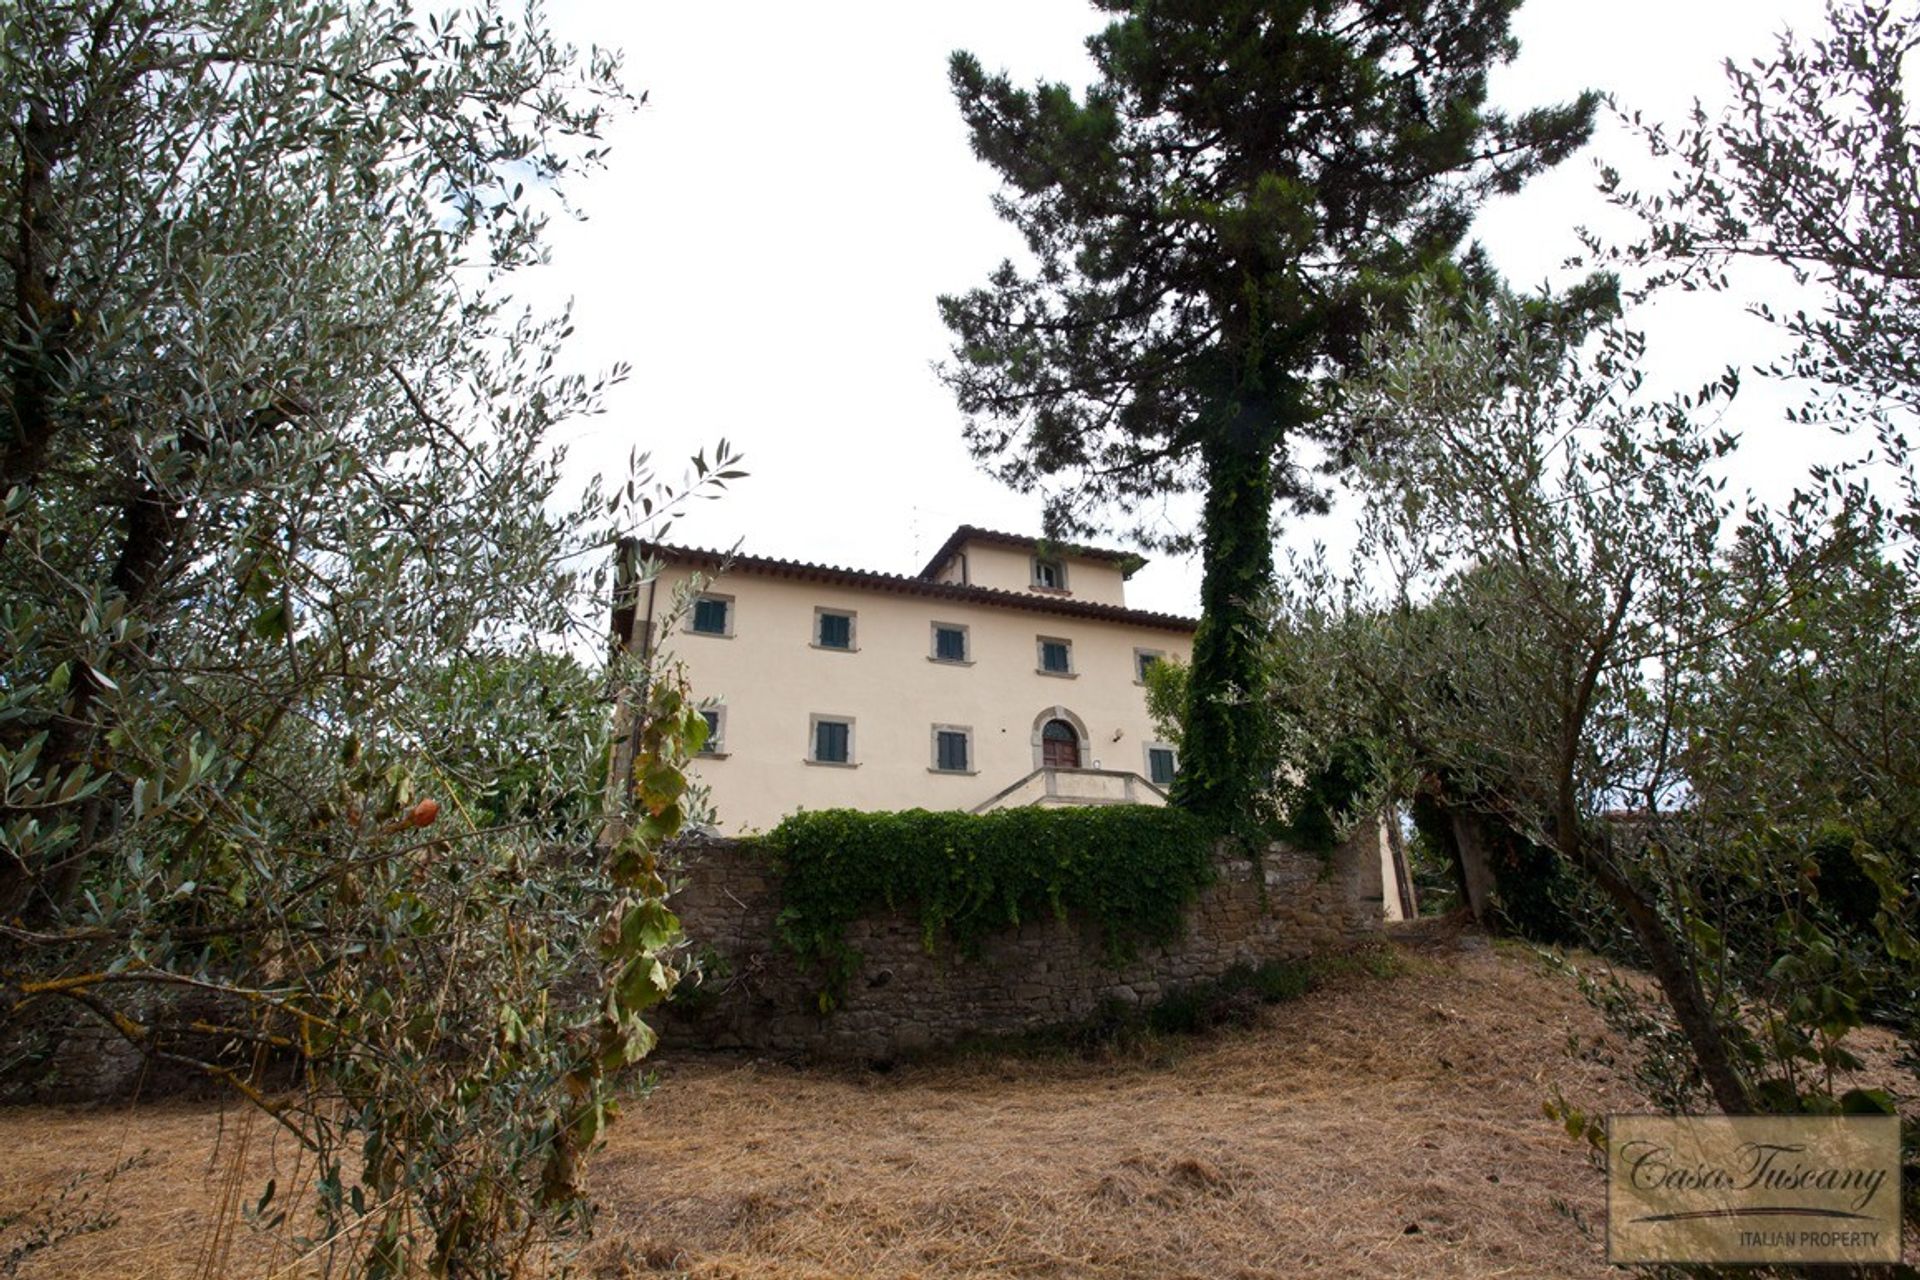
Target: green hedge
x,y
1131,869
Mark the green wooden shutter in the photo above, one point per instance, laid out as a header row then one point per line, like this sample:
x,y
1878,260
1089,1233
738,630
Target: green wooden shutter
x,y
1160,766
952,750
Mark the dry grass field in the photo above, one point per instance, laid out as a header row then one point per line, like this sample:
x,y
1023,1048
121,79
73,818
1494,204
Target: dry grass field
x,y
1378,1127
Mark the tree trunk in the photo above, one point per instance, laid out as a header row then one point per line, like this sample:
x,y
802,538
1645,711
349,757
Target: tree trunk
x,y
1472,865
1225,763
1667,958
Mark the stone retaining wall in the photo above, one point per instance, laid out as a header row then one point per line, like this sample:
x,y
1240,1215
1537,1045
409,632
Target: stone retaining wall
x,y
1044,973
57,1053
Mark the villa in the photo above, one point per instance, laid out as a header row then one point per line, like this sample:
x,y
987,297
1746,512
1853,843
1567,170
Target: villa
x,y
1007,671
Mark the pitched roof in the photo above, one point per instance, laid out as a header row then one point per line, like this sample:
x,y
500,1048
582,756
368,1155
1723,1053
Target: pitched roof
x,y
902,584
1128,561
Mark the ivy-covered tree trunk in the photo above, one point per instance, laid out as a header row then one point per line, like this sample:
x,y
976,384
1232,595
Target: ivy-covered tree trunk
x,y
1227,758
1213,222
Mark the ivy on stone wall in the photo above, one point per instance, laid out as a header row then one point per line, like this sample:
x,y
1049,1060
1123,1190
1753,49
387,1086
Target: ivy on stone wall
x,y
1129,868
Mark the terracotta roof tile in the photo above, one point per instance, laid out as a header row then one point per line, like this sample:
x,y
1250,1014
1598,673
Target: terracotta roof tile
x,y
917,585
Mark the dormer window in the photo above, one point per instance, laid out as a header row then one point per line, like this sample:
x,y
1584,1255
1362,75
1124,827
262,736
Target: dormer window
x,y
1049,573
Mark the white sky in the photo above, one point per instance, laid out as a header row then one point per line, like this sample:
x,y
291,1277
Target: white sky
x,y
768,241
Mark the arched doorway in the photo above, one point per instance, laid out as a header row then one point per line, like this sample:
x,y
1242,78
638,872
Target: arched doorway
x,y
1059,745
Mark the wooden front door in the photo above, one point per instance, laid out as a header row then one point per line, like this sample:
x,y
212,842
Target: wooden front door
x,y
1059,745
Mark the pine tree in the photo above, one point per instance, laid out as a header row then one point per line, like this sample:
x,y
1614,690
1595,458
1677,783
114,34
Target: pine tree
x,y
1212,226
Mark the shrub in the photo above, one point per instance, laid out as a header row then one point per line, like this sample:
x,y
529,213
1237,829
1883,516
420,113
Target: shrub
x,y
1231,1000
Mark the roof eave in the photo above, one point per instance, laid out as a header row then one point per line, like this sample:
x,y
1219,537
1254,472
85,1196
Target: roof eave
x,y
921,586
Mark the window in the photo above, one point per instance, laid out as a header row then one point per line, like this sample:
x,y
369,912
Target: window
x,y
1056,656
832,740
1049,574
833,629
952,749
1161,765
949,642
716,743
712,616
1143,660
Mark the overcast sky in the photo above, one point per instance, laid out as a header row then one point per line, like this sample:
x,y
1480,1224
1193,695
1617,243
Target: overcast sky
x,y
767,244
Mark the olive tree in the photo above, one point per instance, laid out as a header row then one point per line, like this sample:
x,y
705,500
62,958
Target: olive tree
x,y
281,542
1544,616
1804,753
1804,185
1801,184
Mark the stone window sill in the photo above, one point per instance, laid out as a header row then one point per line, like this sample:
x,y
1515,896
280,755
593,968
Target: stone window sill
x,y
952,662
834,648
1057,675
956,773
833,764
712,755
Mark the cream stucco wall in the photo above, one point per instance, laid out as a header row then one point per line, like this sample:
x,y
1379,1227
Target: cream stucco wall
x,y
771,681
1005,568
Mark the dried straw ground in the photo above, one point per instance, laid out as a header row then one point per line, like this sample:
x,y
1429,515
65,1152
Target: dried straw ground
x,y
1379,1128
1376,1128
